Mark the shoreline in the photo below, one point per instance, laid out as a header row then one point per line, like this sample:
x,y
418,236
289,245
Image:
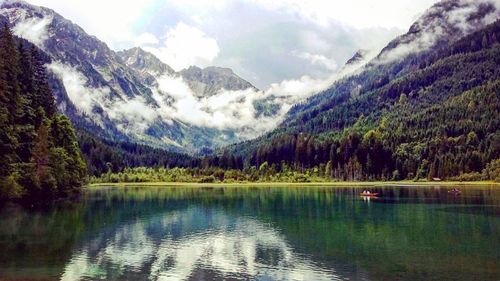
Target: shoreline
x,y
295,184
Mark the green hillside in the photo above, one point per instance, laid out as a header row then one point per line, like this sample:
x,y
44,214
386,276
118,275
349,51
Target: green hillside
x,y
434,114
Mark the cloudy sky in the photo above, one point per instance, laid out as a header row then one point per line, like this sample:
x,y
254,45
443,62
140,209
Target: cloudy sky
x,y
263,41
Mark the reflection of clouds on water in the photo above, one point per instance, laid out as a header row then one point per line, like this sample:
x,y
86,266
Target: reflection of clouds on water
x,y
176,246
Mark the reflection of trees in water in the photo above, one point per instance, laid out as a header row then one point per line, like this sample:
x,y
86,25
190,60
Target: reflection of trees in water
x,y
225,246
408,232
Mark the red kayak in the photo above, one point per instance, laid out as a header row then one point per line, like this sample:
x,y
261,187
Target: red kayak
x,y
368,194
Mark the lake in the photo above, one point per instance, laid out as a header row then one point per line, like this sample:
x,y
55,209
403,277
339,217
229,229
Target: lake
x,y
260,233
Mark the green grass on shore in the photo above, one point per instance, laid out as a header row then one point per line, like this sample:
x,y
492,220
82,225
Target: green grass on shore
x,y
285,184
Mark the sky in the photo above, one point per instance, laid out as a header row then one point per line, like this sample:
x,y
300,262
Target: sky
x,y
263,41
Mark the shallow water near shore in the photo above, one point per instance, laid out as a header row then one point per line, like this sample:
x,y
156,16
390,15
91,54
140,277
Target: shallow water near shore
x,y
256,233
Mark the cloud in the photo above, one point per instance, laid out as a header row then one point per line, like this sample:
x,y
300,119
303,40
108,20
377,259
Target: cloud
x,y
355,13
224,110
317,59
112,21
34,30
184,46
429,29
146,39
175,100
83,97
131,115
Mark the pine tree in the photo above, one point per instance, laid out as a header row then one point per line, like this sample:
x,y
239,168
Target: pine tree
x,y
43,96
41,161
26,120
9,107
66,149
10,73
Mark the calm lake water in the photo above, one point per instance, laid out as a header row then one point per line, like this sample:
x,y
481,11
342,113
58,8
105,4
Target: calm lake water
x,y
274,233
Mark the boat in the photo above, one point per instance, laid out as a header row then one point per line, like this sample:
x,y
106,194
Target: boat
x,y
374,194
455,192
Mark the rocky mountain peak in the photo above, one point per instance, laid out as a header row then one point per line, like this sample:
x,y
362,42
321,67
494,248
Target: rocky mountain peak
x,y
210,80
144,61
359,56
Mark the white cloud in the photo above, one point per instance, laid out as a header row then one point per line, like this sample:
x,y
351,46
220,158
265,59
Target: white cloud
x,y
146,39
225,110
111,20
131,115
317,59
33,29
184,46
83,97
356,13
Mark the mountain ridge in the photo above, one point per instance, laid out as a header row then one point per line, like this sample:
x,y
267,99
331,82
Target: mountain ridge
x,y
209,80
204,82
96,88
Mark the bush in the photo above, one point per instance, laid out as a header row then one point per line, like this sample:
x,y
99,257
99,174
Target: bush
x,y
209,179
9,187
301,178
492,171
468,177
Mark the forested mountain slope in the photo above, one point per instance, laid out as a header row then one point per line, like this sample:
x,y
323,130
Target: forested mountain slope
x,y
433,114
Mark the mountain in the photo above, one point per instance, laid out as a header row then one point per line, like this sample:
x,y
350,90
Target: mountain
x,y
208,81
121,96
426,106
145,63
203,82
359,57
441,25
445,22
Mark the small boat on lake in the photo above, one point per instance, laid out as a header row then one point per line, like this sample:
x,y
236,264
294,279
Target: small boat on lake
x,y
368,194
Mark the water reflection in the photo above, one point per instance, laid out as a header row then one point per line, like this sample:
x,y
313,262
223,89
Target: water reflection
x,y
257,234
152,249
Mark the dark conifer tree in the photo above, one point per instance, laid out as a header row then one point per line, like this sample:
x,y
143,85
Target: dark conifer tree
x,y
9,107
41,159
